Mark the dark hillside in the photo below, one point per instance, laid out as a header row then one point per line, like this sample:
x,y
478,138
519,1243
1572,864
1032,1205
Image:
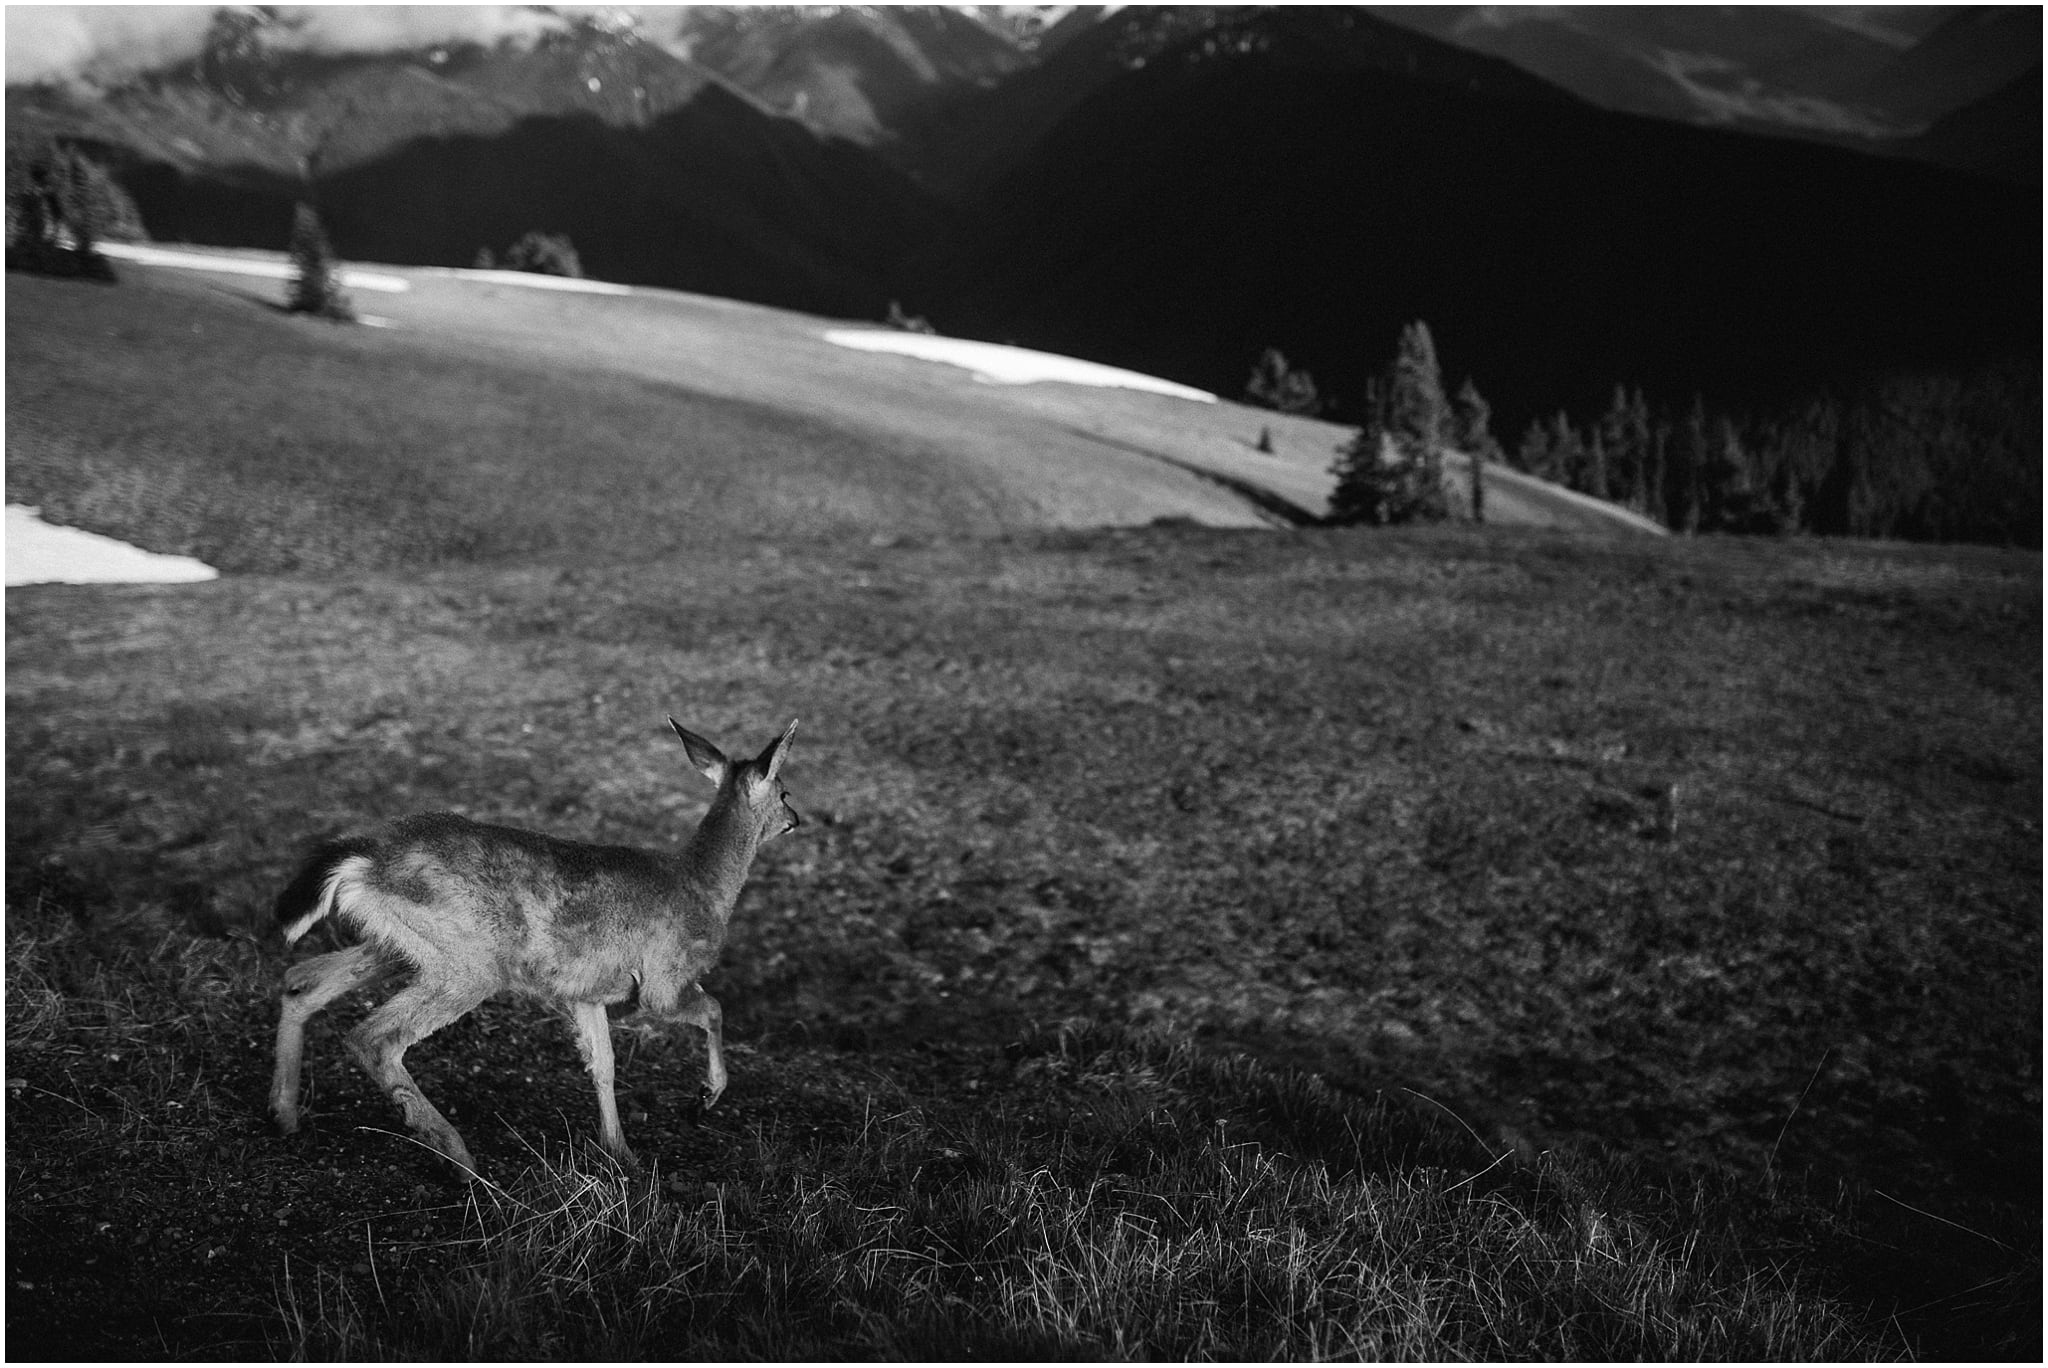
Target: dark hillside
x,y
1975,51
849,71
713,197
962,142
1201,208
1999,135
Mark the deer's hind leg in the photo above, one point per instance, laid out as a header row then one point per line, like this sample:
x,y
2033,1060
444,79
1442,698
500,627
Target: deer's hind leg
x,y
380,1042
310,985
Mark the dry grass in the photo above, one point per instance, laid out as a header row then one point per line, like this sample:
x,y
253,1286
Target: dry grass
x,y
1166,1216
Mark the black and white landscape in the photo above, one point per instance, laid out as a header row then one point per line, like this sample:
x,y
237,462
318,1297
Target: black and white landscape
x,y
1417,630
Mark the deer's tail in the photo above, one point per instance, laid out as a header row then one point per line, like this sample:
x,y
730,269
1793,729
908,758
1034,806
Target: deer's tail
x,y
313,892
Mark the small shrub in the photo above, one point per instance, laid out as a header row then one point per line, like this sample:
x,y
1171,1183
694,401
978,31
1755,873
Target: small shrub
x,y
915,323
544,254
316,279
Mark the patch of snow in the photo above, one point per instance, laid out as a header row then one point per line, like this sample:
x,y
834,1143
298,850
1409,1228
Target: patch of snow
x,y
999,365
533,279
351,278
42,553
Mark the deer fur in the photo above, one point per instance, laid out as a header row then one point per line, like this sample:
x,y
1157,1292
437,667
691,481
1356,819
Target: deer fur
x,y
473,911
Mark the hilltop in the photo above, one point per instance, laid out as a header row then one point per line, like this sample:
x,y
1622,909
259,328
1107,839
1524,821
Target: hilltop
x,y
724,420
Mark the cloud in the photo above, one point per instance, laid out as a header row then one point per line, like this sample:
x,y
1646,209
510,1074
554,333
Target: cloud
x,y
389,28
54,42
107,42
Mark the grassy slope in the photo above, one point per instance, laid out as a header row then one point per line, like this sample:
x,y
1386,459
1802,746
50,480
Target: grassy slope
x,y
357,448
735,414
1386,805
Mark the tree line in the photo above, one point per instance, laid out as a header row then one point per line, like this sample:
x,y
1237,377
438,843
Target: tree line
x,y
61,205
1935,455
1930,454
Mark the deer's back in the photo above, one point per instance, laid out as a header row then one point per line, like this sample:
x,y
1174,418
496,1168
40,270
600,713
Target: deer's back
x,y
555,918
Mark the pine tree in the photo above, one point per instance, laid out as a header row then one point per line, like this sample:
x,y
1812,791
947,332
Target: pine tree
x,y
1683,487
1393,471
1418,415
1736,497
1364,470
1596,466
1472,423
79,208
1567,453
1656,446
1472,433
1624,433
316,280
1478,465
1532,454
60,206
1277,385
545,254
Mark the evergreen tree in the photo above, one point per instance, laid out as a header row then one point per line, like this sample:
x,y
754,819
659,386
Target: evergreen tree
x,y
1393,471
1472,433
1532,455
1688,461
79,209
1277,385
1418,422
1478,487
1624,433
1472,423
1364,469
545,254
316,279
1418,415
1736,488
1595,482
1567,463
60,206
1657,444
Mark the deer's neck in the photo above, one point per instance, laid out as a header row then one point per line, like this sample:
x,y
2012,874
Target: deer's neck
x,y
719,854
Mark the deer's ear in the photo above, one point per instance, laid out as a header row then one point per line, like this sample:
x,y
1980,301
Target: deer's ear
x,y
709,759
769,761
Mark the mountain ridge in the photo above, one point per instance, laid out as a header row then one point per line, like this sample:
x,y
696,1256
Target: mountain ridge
x,y
1172,189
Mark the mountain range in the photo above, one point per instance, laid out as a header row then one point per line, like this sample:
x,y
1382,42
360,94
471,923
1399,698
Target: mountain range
x,y
1175,188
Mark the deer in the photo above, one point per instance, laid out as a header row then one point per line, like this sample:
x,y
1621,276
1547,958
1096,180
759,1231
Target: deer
x,y
473,911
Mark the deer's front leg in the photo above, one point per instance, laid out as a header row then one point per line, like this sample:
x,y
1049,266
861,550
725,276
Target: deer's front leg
x,y
594,1040
700,1008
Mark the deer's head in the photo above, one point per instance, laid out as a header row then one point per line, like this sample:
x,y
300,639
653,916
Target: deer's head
x,y
749,786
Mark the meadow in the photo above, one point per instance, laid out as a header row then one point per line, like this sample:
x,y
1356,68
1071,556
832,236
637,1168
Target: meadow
x,y
1214,942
